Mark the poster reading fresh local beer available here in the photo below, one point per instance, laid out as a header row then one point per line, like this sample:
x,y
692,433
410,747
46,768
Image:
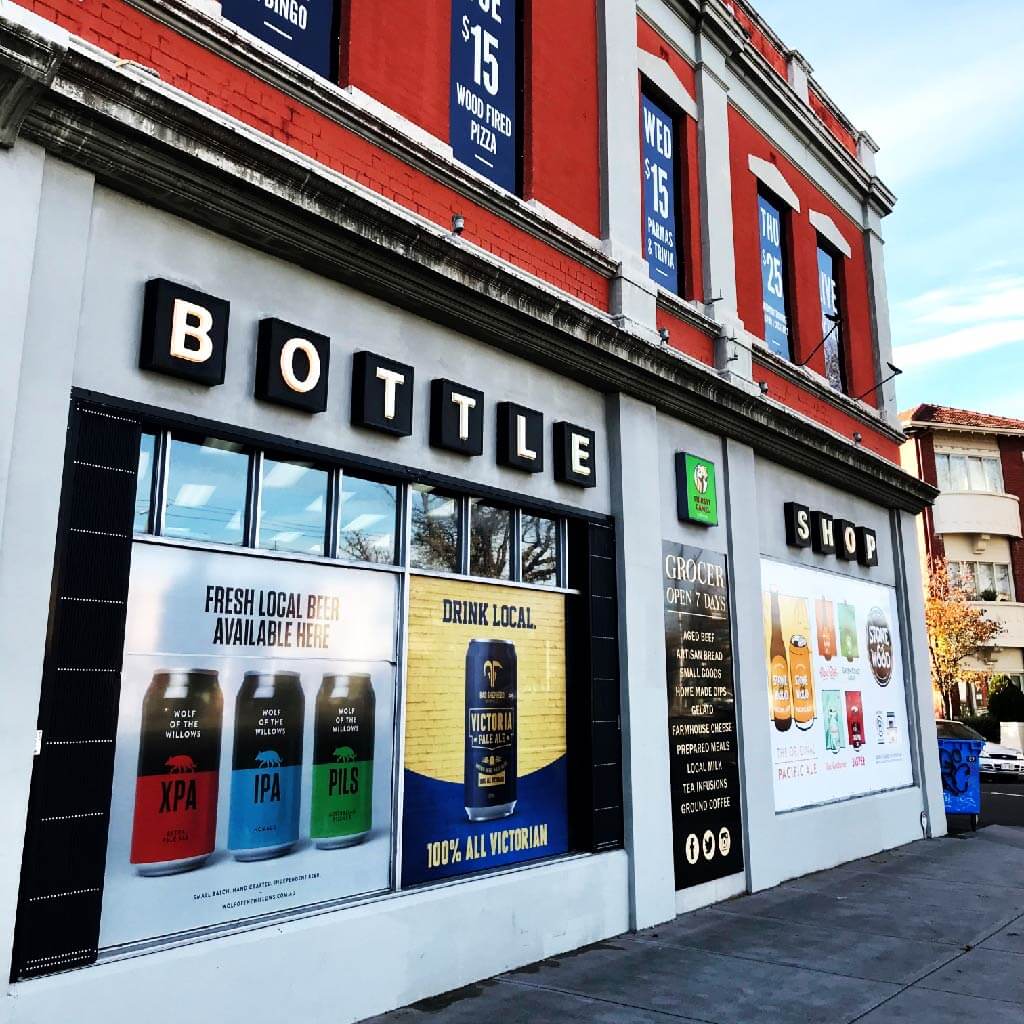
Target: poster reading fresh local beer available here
x,y
252,770
837,705
485,762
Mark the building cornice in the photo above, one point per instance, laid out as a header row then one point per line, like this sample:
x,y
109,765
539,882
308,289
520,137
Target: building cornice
x,y
912,428
141,137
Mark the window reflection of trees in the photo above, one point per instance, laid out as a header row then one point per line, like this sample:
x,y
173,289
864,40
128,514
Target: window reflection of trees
x,y
374,542
539,550
490,540
435,531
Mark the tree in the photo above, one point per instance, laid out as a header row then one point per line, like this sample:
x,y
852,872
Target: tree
x,y
956,631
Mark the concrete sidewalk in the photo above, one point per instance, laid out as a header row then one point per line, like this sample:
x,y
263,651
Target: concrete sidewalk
x,y
932,932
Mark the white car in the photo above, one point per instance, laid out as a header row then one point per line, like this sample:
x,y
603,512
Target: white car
x,y
995,759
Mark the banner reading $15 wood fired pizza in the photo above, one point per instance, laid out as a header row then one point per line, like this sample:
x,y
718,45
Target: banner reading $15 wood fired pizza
x,y
485,761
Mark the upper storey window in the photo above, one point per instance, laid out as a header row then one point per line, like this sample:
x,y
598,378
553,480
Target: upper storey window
x,y
485,88
774,247
305,30
969,473
830,290
661,204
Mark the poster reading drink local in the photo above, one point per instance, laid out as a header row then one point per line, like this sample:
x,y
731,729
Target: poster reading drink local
x,y
252,771
485,754
836,698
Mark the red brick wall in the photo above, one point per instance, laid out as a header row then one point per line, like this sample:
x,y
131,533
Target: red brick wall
x,y
805,304
686,338
834,125
1011,449
127,33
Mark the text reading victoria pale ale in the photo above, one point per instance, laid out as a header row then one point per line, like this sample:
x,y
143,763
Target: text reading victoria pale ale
x,y
342,805
175,824
491,762
266,766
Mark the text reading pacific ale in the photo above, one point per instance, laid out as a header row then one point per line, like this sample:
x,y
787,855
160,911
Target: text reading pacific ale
x,y
266,766
490,767
175,826
342,805
781,692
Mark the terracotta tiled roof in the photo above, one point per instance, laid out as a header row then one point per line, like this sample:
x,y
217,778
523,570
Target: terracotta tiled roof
x,y
945,415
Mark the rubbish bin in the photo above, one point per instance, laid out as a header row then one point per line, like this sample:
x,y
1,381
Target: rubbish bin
x,y
961,778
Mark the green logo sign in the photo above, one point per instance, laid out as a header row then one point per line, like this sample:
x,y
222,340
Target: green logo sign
x,y
701,493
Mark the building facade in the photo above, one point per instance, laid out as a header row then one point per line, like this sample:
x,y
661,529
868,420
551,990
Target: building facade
x,y
450,492
976,460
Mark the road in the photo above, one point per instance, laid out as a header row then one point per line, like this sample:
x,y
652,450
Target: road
x,y
1002,802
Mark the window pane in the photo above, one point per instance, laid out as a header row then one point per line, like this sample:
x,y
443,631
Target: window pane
x,y
986,581
490,537
539,541
993,475
976,475
1003,580
293,507
958,472
942,472
144,483
206,489
434,539
366,524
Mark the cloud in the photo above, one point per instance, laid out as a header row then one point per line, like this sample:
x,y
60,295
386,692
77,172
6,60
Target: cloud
x,y
968,341
952,306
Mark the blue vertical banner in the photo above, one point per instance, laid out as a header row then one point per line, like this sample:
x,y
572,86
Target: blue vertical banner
x,y
658,144
305,30
485,73
831,328
773,270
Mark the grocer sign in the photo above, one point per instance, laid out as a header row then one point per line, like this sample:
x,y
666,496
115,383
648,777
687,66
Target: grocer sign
x,y
305,30
658,138
484,83
773,270
185,335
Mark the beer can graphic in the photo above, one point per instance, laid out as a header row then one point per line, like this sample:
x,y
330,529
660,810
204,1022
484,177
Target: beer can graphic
x,y
266,766
824,616
831,709
175,823
341,811
855,719
848,632
490,768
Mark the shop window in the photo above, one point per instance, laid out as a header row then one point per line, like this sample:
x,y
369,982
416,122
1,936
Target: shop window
x,y
434,537
207,488
538,545
969,473
292,508
661,205
366,520
830,290
774,248
490,540
144,484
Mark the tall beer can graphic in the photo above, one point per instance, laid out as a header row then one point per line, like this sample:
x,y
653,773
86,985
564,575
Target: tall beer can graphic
x,y
491,763
266,766
855,719
341,812
848,632
175,824
823,615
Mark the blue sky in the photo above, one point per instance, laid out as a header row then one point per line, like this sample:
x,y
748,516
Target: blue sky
x,y
940,86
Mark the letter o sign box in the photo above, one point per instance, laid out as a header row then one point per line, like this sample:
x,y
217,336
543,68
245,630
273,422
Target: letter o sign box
x,y
292,365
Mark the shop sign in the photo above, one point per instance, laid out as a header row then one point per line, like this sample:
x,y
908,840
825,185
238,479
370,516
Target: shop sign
x,y
703,754
484,88
485,729
837,706
773,269
696,490
659,157
305,30
826,535
185,335
253,761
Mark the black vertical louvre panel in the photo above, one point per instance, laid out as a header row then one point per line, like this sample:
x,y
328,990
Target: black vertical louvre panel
x,y
69,804
595,742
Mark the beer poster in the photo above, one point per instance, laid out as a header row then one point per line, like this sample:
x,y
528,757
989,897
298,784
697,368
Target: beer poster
x,y
485,744
837,704
252,770
707,827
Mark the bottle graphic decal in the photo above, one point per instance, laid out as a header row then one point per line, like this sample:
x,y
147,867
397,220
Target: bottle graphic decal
x,y
342,805
802,682
778,672
830,709
266,766
490,778
175,824
855,719
848,632
824,616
